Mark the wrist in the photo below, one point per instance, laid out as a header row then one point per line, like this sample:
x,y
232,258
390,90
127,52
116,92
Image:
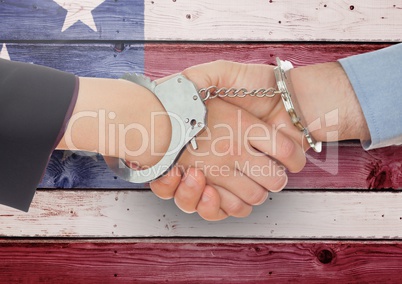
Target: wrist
x,y
328,103
118,118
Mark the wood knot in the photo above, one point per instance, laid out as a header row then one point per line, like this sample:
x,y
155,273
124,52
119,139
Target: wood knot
x,y
384,175
325,256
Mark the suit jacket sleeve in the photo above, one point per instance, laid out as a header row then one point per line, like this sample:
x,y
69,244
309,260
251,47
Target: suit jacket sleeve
x,y
35,105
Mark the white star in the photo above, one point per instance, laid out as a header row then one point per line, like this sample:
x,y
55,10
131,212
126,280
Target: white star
x,y
4,52
79,10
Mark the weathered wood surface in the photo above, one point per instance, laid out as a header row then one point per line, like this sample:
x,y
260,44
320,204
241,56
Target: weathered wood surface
x,y
89,20
348,167
87,60
197,261
164,59
111,60
114,38
263,20
202,20
289,214
344,166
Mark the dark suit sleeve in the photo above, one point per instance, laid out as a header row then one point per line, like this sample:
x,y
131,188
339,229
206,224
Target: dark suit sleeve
x,y
35,105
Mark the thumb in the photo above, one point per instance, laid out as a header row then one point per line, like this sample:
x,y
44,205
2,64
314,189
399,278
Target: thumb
x,y
219,73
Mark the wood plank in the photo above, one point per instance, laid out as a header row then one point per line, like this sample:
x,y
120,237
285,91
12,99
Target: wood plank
x,y
334,168
346,167
125,214
197,261
165,59
44,20
225,20
108,60
204,20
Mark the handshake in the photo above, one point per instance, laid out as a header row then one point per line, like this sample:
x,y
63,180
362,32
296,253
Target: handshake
x,y
250,142
248,145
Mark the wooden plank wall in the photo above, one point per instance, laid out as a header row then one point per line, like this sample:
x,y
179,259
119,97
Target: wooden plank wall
x,y
340,220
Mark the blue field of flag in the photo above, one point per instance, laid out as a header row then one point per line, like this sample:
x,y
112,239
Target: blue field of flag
x,y
71,20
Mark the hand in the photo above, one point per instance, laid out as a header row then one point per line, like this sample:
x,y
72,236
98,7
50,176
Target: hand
x,y
328,105
213,202
229,150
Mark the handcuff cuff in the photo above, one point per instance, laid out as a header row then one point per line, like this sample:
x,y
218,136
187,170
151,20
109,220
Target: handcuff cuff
x,y
188,117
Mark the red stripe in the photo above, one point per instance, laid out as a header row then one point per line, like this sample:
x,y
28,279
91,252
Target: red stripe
x,y
165,59
190,262
352,167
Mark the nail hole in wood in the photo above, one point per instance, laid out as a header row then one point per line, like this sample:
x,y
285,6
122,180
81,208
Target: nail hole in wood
x,y
119,47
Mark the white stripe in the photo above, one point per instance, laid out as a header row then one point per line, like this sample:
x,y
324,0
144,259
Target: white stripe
x,y
260,20
290,214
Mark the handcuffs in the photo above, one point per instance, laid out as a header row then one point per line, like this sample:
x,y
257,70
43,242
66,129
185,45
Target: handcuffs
x,y
188,117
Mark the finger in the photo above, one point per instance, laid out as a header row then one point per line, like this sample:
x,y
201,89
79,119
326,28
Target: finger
x,y
241,186
161,80
209,206
277,145
189,191
212,73
263,170
222,73
231,204
165,187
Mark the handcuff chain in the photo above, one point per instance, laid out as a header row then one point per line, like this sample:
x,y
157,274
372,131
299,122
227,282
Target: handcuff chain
x,y
213,92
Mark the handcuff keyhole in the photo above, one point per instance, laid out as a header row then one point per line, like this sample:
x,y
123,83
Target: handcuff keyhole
x,y
193,122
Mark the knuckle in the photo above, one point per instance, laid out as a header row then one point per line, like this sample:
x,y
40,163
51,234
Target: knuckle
x,y
163,191
207,215
299,164
187,195
183,206
221,62
286,148
237,209
279,184
162,194
258,197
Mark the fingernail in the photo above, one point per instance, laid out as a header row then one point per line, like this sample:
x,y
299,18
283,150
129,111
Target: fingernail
x,y
205,198
189,180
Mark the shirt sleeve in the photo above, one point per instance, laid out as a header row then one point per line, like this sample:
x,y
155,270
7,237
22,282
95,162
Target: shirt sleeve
x,y
376,78
35,105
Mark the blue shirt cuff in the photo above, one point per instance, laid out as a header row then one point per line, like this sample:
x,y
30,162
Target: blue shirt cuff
x,y
376,78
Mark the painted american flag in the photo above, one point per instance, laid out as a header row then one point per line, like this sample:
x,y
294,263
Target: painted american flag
x,y
84,37
91,38
95,38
